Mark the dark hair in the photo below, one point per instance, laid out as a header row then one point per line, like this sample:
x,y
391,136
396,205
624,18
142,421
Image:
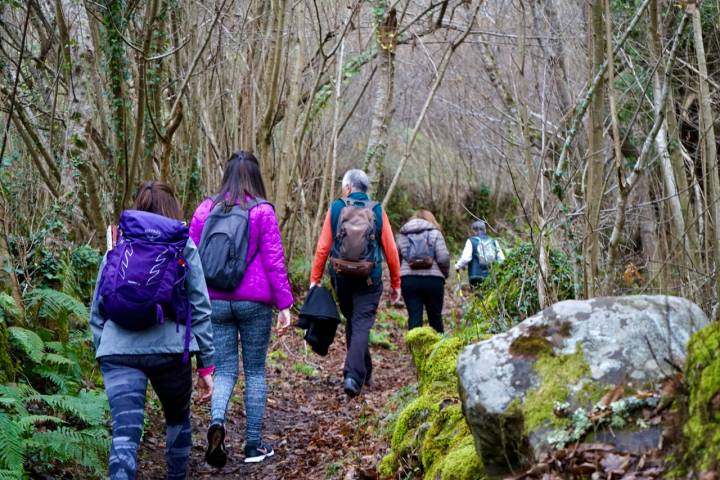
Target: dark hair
x,y
158,197
242,177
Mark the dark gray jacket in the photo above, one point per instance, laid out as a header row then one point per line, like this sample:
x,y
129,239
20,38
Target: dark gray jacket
x,y
111,339
441,264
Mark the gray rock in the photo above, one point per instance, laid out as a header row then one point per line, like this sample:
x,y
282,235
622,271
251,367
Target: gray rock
x,y
624,340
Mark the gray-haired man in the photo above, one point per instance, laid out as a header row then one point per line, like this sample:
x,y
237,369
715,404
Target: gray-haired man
x,y
355,235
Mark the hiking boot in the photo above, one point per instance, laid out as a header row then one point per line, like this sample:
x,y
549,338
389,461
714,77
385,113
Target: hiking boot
x,y
351,387
215,456
258,452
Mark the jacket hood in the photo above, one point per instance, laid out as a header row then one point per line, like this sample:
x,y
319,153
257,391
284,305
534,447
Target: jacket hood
x,y
417,225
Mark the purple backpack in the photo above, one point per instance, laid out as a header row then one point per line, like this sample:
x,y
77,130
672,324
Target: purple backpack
x,y
143,281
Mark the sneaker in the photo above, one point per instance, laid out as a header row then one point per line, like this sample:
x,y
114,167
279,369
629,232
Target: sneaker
x,y
215,455
351,387
258,453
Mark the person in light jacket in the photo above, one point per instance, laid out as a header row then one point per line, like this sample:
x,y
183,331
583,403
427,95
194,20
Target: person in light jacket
x,y
129,359
480,252
247,310
423,281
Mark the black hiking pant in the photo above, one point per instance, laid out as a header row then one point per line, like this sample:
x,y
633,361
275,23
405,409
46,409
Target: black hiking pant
x,y
422,291
358,304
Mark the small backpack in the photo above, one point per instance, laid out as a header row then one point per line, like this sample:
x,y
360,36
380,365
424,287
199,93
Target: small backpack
x,y
420,253
223,245
143,280
355,247
485,250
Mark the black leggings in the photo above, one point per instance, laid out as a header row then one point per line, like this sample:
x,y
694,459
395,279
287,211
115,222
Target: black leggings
x,y
420,291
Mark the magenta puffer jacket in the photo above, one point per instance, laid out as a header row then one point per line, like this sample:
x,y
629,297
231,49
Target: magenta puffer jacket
x,y
266,279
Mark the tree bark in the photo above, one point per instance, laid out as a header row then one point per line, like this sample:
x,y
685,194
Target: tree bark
x,y
707,135
595,157
384,106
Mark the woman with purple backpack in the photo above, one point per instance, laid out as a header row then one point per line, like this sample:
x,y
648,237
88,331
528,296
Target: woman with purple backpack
x,y
237,227
150,274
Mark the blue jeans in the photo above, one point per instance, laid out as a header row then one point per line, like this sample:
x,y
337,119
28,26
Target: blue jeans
x,y
253,321
126,378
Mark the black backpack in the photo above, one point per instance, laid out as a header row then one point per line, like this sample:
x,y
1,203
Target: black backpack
x,y
223,245
420,252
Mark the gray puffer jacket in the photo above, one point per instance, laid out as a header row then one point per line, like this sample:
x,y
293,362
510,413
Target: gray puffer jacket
x,y
441,263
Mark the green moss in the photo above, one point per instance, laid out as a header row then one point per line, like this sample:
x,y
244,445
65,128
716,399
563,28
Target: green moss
x,y
7,369
439,370
432,427
462,463
557,375
702,429
412,417
388,465
446,429
420,341
530,346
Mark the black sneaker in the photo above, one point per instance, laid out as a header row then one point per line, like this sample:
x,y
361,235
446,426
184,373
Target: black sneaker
x,y
351,387
258,453
215,455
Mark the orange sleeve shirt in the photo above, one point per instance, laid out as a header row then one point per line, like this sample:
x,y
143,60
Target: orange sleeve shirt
x,y
324,245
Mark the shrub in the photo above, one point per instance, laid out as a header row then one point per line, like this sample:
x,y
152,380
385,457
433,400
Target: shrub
x,y
509,295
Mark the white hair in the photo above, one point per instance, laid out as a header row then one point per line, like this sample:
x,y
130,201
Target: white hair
x,y
357,180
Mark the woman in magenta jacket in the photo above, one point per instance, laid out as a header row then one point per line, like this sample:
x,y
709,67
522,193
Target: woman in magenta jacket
x,y
247,310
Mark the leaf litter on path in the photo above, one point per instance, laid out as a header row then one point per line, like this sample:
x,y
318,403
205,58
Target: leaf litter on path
x,y
316,431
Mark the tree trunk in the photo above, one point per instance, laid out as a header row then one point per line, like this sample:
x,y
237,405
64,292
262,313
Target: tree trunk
x,y
707,136
383,107
595,127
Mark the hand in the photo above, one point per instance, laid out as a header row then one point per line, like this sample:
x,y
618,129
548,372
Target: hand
x,y
205,388
283,321
395,295
313,285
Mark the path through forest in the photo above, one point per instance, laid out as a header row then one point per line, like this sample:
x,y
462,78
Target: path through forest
x,y
316,430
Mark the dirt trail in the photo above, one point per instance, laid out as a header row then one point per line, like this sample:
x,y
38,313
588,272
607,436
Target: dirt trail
x,y
316,430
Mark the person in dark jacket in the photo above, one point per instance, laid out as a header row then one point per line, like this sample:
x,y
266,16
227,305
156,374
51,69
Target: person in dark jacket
x,y
423,283
358,297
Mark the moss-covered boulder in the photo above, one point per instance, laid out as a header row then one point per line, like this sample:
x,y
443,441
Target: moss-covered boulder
x,y
572,352
702,427
431,432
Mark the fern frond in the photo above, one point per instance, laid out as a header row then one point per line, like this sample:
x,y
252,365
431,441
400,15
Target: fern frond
x,y
54,303
53,376
89,408
68,445
29,342
12,448
11,474
25,422
55,347
57,360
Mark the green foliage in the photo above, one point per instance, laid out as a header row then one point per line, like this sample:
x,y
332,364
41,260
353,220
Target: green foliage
x,y
305,369
9,311
381,339
299,272
56,309
509,295
49,423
